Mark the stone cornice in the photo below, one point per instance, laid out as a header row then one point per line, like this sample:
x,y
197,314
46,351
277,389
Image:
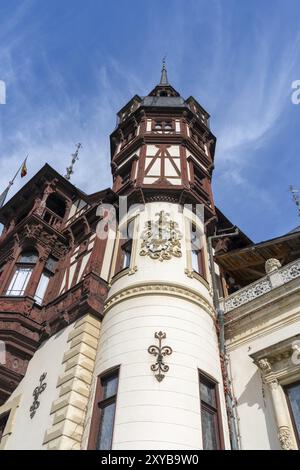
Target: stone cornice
x,y
158,288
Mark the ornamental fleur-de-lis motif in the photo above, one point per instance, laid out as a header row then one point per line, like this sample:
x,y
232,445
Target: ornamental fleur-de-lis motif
x,y
160,352
36,393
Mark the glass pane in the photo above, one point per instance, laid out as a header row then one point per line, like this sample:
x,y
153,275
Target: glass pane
x,y
195,263
106,427
293,392
110,385
50,264
209,430
19,281
28,257
126,259
42,287
207,392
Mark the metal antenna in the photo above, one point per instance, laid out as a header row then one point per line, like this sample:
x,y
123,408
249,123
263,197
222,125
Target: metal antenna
x,y
296,197
70,169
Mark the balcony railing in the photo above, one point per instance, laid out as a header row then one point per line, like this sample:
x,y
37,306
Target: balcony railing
x,y
51,218
262,286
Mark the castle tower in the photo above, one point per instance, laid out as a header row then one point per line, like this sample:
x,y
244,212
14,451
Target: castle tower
x,y
160,294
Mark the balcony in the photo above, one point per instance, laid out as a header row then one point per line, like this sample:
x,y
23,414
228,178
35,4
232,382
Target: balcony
x,y
52,219
266,284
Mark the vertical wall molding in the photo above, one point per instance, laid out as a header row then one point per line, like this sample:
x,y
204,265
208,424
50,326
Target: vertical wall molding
x,y
9,407
74,387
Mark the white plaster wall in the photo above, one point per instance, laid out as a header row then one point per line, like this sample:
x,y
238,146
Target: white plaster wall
x,y
29,433
256,415
149,414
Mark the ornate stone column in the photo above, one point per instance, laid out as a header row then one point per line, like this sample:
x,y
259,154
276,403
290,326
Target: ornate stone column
x,y
284,431
282,419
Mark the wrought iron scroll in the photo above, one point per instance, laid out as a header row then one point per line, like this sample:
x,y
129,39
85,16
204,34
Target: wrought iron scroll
x,y
160,352
36,393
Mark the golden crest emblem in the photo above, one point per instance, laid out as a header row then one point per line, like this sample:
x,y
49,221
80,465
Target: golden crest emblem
x,y
161,239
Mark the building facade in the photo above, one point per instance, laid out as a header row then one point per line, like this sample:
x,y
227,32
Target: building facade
x,y
139,317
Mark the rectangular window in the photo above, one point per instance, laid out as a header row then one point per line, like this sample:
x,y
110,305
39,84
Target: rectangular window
x,y
293,397
197,253
42,287
126,250
104,412
19,281
210,414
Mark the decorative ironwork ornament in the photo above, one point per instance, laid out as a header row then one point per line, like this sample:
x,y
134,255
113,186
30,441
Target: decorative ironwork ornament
x,y
160,352
36,393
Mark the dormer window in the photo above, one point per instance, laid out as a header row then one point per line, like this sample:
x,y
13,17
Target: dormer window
x,y
22,274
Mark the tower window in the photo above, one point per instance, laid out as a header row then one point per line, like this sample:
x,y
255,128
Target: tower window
x,y
163,126
22,274
126,253
210,414
102,425
197,252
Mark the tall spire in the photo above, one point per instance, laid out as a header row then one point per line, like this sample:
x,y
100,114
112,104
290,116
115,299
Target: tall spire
x,y
164,76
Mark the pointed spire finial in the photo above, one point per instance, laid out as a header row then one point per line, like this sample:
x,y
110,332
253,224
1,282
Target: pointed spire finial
x,y
164,76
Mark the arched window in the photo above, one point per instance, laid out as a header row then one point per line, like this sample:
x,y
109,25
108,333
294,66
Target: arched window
x,y
23,271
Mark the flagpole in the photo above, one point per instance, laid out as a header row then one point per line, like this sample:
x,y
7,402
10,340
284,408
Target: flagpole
x,y
10,183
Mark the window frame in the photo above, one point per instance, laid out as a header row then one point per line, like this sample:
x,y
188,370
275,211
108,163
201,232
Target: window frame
x,y
199,252
291,413
203,377
18,266
99,404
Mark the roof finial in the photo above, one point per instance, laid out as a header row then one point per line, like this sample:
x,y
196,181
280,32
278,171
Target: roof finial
x,y
164,76
70,169
295,196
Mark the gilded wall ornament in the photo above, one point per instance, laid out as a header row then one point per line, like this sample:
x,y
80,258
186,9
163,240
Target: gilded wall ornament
x,y
160,352
161,239
36,393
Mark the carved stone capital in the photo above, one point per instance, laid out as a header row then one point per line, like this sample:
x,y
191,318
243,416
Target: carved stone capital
x,y
265,366
285,438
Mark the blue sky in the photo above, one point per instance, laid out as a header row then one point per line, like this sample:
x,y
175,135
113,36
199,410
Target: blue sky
x,y
70,65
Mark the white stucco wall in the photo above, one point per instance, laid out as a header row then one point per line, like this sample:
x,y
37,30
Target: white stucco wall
x,y
29,433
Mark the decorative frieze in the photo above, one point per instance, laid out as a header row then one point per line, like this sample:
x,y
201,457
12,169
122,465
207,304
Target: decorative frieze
x,y
160,288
